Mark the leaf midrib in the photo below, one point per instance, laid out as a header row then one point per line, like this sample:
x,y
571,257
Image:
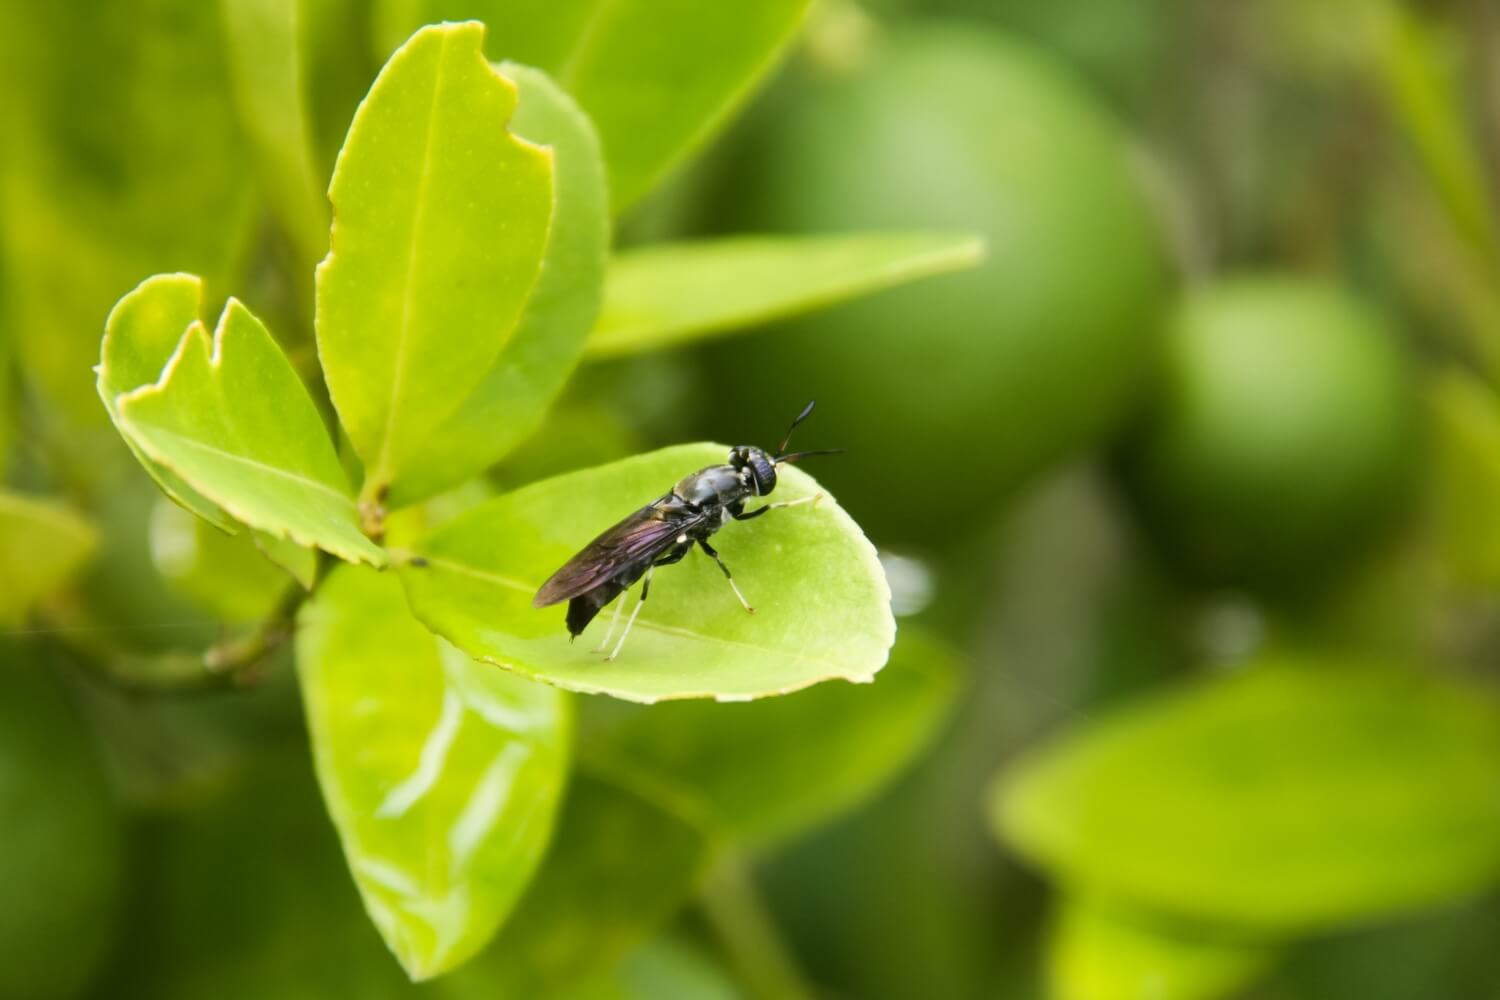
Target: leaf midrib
x,y
274,470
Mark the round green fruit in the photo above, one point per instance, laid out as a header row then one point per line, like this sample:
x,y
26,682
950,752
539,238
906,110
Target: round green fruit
x,y
1280,437
951,392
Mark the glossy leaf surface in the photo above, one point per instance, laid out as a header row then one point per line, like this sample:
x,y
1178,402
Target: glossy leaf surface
x,y
441,217
823,606
442,774
1218,802
665,294
231,417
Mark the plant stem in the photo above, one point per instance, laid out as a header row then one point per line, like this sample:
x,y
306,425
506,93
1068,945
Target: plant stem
x,y
736,913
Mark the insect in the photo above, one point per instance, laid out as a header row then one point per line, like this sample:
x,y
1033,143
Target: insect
x,y
664,531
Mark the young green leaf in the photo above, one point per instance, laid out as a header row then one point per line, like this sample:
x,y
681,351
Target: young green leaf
x,y
443,775
508,405
231,417
142,332
748,763
226,575
658,77
1214,803
618,868
441,220
298,560
41,544
659,296
1098,953
265,41
823,606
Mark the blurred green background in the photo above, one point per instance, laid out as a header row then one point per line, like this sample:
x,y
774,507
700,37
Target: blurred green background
x,y
1197,476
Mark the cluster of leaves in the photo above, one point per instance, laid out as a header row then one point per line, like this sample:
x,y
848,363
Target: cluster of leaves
x,y
467,272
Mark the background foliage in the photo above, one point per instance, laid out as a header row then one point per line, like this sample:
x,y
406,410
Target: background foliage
x,y
1162,339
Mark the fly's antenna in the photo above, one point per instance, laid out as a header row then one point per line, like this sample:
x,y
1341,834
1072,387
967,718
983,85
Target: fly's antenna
x,y
783,458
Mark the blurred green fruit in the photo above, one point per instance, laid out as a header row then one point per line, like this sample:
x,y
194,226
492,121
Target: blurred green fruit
x,y
1280,436
60,840
950,393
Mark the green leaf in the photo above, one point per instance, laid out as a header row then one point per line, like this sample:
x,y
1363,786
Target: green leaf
x,y
658,77
231,417
41,545
1096,953
1467,427
122,158
443,775
823,607
508,405
298,560
1287,798
265,43
748,763
619,867
663,295
140,336
226,575
441,219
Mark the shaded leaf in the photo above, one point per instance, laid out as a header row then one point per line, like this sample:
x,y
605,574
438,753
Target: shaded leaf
x,y
749,763
1467,419
140,336
226,575
508,404
265,43
41,545
658,77
823,607
298,560
441,219
442,774
1217,802
1096,953
230,416
666,294
618,868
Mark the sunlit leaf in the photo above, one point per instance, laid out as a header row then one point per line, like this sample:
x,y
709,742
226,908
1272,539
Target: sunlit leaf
x,y
441,218
1289,797
226,575
823,607
442,774
142,332
230,416
1096,953
41,545
665,294
506,407
265,43
749,763
619,866
122,158
658,77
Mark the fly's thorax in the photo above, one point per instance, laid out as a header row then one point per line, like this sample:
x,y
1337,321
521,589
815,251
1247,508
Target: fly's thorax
x,y
717,484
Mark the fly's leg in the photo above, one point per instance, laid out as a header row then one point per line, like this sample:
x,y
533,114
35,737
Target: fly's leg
x,y
757,512
614,621
645,589
711,551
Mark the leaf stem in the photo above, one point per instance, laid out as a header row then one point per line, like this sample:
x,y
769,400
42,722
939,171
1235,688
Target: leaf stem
x,y
753,947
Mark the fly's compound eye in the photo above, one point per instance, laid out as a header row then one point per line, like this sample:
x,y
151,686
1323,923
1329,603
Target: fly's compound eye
x,y
763,470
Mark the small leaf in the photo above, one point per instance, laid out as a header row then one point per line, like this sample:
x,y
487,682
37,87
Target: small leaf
x,y
1096,953
1288,798
265,40
142,332
658,77
231,417
748,763
619,867
823,607
298,560
41,545
441,219
508,405
443,775
659,296
225,575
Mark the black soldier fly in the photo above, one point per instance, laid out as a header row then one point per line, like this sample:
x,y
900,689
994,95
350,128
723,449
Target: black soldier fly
x,y
664,531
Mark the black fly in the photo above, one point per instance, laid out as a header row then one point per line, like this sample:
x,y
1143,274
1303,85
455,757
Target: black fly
x,y
664,531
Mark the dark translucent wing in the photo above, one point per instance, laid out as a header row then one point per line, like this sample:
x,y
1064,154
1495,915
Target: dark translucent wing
x,y
639,538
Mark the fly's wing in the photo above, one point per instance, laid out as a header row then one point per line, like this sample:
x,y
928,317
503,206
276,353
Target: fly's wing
x,y
639,538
